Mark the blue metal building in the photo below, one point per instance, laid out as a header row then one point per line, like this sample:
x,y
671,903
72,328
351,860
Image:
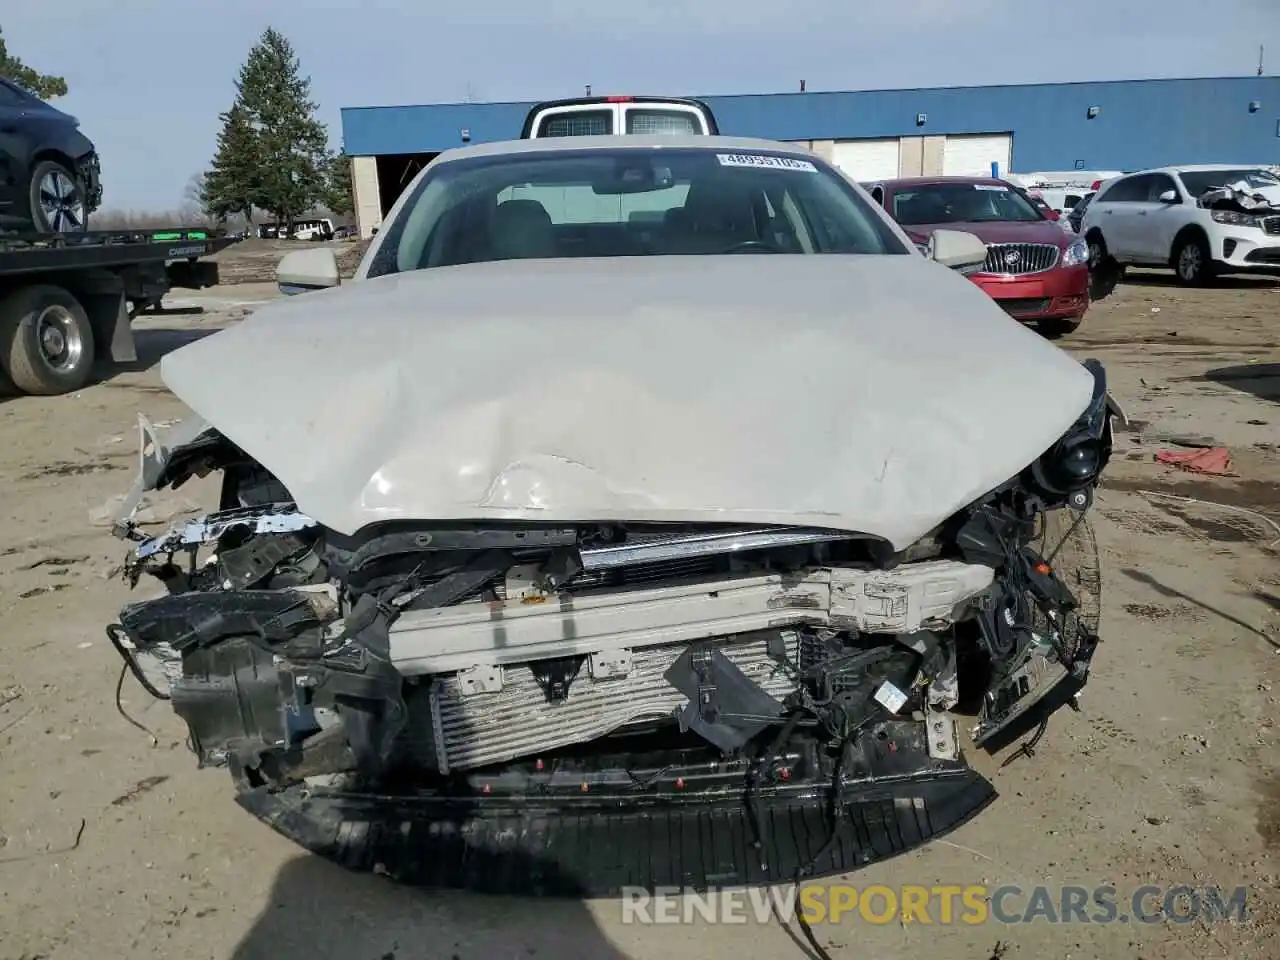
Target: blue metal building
x,y
1117,125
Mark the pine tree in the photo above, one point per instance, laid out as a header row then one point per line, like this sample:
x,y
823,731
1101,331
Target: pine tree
x,y
338,196
291,153
42,85
232,183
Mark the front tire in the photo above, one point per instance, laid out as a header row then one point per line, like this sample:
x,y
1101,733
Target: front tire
x,y
57,199
1192,261
46,341
1105,272
1059,327
1098,255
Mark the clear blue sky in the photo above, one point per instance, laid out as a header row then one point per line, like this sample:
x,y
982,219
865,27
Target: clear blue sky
x,y
148,77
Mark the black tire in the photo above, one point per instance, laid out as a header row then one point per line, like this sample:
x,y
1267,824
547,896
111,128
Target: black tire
x,y
1105,272
57,199
46,340
1192,261
1098,255
1059,327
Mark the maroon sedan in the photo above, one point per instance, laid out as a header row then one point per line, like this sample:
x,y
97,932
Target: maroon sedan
x,y
1036,270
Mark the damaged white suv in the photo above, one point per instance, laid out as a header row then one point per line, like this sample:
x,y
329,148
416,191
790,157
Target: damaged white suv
x,y
642,504
1202,221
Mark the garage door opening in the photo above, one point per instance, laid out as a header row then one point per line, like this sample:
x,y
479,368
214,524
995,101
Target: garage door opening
x,y
395,172
867,160
972,156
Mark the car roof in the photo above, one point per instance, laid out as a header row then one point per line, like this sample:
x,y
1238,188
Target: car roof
x,y
628,141
1197,168
941,181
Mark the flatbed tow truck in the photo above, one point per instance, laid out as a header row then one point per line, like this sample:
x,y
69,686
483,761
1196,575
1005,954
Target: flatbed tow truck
x,y
68,300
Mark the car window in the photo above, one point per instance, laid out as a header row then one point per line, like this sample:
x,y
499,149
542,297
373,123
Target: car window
x,y
963,203
578,203
1125,190
577,123
605,202
656,120
1158,184
11,95
1255,178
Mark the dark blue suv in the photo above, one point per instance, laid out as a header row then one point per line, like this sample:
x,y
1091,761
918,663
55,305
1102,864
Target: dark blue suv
x,y
49,170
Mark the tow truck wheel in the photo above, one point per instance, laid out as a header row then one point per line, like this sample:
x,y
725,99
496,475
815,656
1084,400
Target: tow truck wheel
x,y
46,340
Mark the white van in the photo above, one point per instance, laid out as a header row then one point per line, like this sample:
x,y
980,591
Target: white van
x,y
603,116
1061,190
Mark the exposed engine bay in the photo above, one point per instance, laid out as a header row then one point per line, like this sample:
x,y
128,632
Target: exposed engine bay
x,y
553,707
1236,198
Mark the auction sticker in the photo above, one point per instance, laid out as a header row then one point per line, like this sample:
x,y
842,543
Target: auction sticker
x,y
991,187
763,160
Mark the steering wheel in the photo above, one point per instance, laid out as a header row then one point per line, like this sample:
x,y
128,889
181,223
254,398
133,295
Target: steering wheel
x,y
758,245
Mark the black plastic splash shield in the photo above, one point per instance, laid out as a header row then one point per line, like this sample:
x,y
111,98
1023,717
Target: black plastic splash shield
x,y
596,849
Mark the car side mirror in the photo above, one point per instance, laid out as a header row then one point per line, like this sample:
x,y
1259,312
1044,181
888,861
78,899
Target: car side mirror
x,y
304,270
957,249
1169,196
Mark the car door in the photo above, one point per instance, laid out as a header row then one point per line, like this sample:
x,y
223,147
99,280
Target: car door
x,y
1117,214
13,146
1162,219
1142,223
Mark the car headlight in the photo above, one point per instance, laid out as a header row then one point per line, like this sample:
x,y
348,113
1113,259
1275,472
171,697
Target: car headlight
x,y
1077,252
1235,218
1069,468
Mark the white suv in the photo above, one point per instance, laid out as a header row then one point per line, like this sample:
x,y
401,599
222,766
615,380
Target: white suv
x,y
1152,218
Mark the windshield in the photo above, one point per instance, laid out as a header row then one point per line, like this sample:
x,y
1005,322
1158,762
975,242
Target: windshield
x,y
637,201
961,203
1198,181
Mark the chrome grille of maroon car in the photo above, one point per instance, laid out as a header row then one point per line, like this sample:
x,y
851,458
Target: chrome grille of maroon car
x,y
1019,258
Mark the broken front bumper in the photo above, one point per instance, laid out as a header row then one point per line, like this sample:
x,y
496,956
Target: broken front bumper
x,y
568,831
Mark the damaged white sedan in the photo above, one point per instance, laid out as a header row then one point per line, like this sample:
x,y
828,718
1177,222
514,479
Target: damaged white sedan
x,y
645,513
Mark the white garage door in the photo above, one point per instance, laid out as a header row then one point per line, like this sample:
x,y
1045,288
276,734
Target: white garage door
x,y
972,156
867,159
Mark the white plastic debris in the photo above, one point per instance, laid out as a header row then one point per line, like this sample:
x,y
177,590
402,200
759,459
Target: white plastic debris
x,y
890,697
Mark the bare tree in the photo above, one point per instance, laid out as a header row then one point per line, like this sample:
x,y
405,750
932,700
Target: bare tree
x,y
192,207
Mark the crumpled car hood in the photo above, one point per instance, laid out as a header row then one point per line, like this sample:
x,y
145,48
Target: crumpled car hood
x,y
877,394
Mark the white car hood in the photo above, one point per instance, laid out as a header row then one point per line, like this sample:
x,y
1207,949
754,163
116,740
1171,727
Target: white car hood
x,y
877,394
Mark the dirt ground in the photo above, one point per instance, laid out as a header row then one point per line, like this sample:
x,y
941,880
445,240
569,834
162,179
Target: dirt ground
x,y
111,846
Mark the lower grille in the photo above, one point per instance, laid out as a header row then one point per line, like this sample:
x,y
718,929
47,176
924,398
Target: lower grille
x,y
1025,305
1021,258
472,730
1267,255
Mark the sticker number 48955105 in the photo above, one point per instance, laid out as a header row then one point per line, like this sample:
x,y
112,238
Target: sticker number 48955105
x,y
764,160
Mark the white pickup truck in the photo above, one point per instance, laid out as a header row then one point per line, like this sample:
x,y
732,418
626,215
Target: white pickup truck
x,y
603,116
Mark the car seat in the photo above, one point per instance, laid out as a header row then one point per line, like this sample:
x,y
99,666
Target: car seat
x,y
521,229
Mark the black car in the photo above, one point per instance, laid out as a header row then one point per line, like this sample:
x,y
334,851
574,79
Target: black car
x,y
49,170
1076,216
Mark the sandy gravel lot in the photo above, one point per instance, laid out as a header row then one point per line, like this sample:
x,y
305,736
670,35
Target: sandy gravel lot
x,y
111,846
